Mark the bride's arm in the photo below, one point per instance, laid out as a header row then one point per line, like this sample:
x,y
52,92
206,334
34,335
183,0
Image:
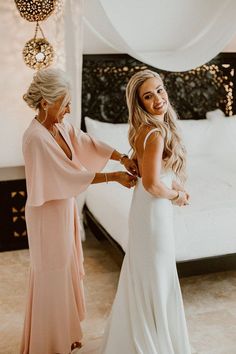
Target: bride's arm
x,y
177,186
151,168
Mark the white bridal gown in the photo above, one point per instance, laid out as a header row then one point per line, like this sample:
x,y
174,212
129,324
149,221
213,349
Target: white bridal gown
x,y
147,316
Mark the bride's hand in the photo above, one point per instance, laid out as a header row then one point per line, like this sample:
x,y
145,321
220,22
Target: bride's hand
x,y
188,196
182,200
125,179
130,165
179,187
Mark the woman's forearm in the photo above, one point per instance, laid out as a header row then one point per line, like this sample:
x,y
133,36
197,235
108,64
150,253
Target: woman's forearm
x,y
115,155
161,191
177,186
104,177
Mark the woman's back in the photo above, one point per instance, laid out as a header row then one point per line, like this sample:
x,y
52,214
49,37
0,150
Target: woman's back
x,y
144,134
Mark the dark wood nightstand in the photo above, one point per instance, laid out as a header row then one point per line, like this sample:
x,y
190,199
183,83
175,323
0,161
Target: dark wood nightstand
x,y
13,234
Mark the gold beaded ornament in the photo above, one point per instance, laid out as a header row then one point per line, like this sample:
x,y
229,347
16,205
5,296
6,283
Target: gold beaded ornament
x,y
38,53
35,10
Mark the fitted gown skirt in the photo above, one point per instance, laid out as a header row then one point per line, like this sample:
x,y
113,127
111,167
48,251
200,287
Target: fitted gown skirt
x,y
147,316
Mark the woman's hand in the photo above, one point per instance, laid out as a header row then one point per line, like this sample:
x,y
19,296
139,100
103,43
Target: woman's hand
x,y
182,199
130,165
179,188
188,196
125,179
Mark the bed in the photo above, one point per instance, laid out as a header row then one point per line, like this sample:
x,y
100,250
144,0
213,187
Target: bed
x,y
206,230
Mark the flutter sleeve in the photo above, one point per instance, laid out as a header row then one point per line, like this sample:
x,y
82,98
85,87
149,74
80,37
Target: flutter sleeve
x,y
52,176
91,152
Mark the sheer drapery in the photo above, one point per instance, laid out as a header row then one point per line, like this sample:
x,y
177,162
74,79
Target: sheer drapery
x,y
170,35
73,43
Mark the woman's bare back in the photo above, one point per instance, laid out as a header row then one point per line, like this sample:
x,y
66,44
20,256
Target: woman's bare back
x,y
139,145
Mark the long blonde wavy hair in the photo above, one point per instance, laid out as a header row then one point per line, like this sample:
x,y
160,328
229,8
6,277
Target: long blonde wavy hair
x,y
174,153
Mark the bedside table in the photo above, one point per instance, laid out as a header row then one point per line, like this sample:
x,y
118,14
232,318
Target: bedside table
x,y
13,234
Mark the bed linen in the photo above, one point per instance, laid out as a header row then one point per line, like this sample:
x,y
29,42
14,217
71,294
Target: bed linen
x,y
207,227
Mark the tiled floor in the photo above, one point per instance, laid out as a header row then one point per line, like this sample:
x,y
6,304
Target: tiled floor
x,y
210,302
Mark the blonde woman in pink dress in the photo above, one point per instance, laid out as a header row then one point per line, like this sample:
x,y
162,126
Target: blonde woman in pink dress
x,y
60,163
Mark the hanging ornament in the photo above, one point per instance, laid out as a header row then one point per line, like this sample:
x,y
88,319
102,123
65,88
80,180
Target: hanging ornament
x,y
36,10
38,53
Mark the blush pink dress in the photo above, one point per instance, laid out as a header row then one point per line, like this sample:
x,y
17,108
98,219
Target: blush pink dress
x,y
56,304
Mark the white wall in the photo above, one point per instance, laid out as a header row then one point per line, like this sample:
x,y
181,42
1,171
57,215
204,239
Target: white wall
x,y
15,78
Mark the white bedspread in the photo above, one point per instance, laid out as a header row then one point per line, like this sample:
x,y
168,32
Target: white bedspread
x,y
205,228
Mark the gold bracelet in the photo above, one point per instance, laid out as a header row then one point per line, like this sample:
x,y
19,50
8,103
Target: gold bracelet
x,y
106,178
175,198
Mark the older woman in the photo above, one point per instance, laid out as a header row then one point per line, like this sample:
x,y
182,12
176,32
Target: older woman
x,y
147,315
60,163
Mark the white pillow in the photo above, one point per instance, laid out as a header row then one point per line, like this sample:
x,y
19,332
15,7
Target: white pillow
x,y
223,138
196,135
215,135
201,137
115,135
215,115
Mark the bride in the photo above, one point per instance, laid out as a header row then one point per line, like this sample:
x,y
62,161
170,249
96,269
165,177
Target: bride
x,y
148,315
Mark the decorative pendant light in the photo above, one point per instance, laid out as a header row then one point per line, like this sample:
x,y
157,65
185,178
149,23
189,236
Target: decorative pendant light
x,y
38,53
35,10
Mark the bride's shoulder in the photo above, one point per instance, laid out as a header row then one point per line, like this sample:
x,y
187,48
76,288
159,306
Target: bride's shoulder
x,y
142,132
144,129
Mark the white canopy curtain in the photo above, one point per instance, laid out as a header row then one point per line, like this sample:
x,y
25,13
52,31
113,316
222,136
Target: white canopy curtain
x,y
73,43
174,35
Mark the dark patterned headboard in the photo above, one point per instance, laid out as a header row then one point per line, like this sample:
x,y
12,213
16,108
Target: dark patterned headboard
x,y
192,93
